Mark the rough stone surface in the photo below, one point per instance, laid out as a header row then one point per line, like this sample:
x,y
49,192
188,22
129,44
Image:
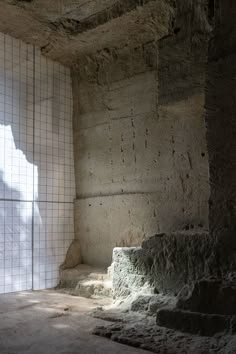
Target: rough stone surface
x,y
85,281
151,303
211,297
208,308
127,277
130,272
168,262
164,263
145,333
195,322
188,332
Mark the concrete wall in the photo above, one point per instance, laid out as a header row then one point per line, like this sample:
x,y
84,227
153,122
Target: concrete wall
x,y
140,159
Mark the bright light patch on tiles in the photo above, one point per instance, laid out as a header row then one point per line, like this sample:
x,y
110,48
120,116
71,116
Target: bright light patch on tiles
x,y
16,172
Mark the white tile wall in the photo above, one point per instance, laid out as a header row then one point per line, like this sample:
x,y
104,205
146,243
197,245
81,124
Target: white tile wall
x,y
15,246
53,131
16,120
37,185
53,232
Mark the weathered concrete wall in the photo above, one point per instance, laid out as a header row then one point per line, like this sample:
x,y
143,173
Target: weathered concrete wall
x,y
140,155
103,223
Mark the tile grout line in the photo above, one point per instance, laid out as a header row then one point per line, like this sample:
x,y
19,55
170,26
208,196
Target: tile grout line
x,y
33,206
31,201
4,159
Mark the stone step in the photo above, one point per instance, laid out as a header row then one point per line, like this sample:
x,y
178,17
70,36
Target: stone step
x,y
130,272
164,262
195,322
210,296
86,281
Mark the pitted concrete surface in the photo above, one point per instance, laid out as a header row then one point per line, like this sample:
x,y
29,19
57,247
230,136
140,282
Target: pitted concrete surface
x,y
48,322
141,159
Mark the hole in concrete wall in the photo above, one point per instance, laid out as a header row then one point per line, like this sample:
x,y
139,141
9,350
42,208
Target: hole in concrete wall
x,y
177,30
211,11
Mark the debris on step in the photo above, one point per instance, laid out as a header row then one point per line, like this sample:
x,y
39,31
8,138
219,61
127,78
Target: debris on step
x,y
86,281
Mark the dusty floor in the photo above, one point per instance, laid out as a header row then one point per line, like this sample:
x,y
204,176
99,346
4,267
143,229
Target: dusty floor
x,y
50,322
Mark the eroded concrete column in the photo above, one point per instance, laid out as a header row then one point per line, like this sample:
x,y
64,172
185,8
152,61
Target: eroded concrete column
x,y
182,62
221,121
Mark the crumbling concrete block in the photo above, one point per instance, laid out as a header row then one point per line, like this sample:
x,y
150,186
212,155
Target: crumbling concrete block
x,y
164,263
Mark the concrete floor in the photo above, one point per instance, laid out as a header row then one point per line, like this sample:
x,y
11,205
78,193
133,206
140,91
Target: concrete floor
x,y
48,322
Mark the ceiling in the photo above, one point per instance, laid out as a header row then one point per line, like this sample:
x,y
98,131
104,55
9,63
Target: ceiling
x,y
66,29
52,10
